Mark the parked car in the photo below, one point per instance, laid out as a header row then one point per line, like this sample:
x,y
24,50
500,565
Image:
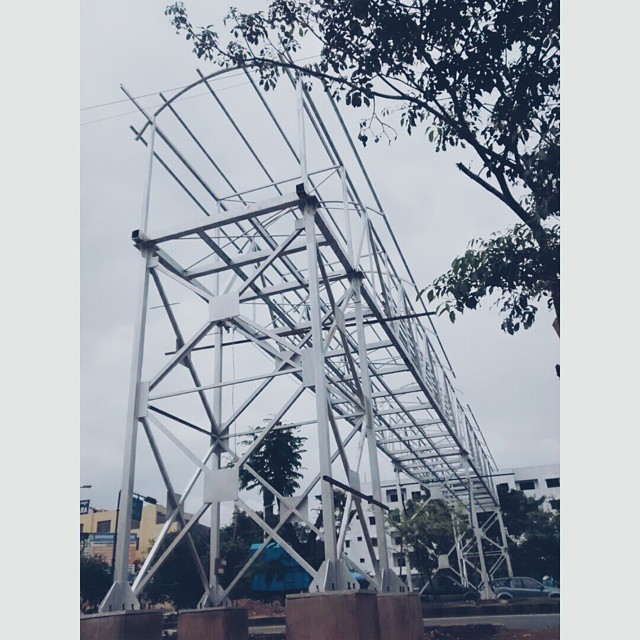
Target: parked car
x,y
443,588
515,588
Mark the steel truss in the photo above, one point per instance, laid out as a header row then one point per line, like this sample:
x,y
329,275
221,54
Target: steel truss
x,y
295,270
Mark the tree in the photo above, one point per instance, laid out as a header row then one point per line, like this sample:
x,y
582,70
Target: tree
x,y
177,580
278,460
479,75
95,580
235,543
533,534
426,531
313,549
507,265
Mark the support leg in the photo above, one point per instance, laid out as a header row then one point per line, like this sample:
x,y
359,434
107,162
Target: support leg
x,y
390,581
505,543
120,596
485,590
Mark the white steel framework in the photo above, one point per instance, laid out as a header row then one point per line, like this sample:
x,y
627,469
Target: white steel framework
x,y
295,270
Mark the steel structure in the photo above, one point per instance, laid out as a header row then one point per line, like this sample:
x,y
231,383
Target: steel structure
x,y
291,274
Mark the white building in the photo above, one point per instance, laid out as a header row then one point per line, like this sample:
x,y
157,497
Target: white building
x,y
540,481
355,546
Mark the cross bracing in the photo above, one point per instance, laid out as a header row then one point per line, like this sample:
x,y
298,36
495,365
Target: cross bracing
x,y
283,257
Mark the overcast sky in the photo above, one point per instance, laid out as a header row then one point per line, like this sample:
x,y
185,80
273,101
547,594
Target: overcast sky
x,y
509,381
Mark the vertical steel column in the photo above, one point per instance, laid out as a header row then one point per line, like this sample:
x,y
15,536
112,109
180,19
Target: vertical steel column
x,y
462,567
216,408
404,515
214,534
486,587
370,427
120,595
324,443
505,542
347,213
304,174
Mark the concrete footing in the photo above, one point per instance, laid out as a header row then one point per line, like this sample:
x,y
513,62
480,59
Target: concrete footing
x,y
139,624
215,623
400,616
333,615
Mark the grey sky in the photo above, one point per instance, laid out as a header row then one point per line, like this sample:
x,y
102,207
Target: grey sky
x,y
509,381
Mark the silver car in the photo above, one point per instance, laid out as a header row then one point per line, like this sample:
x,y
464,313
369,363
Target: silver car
x,y
515,588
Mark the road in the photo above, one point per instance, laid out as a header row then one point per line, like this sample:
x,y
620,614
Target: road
x,y
521,621
524,621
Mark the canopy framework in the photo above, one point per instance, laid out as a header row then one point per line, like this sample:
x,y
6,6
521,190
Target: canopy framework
x,y
295,269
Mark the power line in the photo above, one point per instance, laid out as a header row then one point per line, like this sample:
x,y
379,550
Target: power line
x,y
127,113
155,93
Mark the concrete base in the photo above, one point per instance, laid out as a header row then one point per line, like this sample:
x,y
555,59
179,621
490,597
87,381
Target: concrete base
x,y
332,615
400,616
215,623
139,624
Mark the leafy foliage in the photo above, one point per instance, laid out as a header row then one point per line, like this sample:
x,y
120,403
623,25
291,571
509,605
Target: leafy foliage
x,y
95,580
479,75
534,534
177,580
508,265
235,542
426,531
278,460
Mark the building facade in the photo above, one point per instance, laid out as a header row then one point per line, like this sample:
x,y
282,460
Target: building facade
x,y
144,531
355,546
542,481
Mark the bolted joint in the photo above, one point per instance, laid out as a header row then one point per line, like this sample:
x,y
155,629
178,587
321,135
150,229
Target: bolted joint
x,y
306,200
140,240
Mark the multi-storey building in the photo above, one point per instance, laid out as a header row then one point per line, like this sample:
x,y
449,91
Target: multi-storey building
x,y
542,481
539,481
144,531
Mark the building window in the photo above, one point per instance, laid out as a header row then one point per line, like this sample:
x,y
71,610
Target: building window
x,y
398,541
392,496
553,483
361,560
527,485
503,486
374,542
135,524
347,543
398,560
103,526
160,517
416,495
372,520
359,538
555,504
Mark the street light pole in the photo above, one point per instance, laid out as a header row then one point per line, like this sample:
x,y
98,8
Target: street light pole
x,y
115,537
148,499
